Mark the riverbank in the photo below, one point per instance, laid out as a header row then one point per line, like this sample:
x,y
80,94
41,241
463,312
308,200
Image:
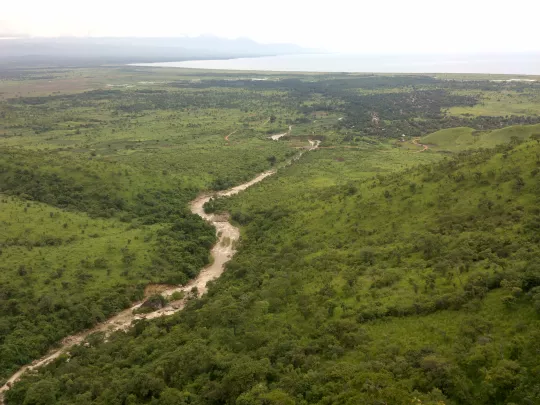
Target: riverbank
x,y
221,253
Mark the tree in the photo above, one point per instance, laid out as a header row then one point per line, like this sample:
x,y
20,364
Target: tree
x,y
501,379
173,396
42,393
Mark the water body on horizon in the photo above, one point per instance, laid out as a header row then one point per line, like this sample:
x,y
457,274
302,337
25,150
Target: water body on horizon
x,y
504,63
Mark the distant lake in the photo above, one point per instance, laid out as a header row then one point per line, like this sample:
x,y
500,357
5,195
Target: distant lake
x,y
516,63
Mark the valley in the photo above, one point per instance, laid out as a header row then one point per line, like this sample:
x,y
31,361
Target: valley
x,y
318,257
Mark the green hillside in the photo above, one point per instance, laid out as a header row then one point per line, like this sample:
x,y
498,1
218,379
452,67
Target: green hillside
x,y
418,286
457,139
64,271
80,239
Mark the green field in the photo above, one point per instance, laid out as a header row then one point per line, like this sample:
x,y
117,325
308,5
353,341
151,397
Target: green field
x,y
368,271
501,103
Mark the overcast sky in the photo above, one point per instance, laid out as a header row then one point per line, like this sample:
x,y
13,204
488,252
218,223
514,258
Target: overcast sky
x,y
340,25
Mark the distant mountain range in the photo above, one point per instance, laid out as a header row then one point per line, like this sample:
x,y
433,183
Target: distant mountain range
x,y
73,50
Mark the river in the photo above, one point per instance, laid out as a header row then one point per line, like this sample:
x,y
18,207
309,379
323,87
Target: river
x,y
221,253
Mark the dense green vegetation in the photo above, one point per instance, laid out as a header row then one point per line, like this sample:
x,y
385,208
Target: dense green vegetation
x,y
65,269
94,207
366,274
396,287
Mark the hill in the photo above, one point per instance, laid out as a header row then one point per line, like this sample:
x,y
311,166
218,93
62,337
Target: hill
x,y
462,138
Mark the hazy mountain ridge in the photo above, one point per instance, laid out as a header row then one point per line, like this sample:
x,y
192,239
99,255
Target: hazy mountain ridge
x,y
126,50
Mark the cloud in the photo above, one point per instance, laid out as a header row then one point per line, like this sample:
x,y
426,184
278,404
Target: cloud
x,y
346,25
8,30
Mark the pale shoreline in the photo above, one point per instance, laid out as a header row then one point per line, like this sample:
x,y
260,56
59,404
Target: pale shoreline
x,y
502,64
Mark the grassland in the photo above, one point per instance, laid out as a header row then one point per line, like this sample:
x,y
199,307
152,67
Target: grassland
x,y
501,103
457,139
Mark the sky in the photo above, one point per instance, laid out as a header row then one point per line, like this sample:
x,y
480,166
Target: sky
x,y
381,26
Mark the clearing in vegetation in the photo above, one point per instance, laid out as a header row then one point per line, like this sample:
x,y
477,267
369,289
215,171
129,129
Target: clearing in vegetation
x,y
458,139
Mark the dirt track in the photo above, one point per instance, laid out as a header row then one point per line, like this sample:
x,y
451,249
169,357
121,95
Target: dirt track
x,y
277,136
424,147
232,133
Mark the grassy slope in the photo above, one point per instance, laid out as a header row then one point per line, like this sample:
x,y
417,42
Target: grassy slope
x,y
502,103
416,284
457,139
62,271
42,237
